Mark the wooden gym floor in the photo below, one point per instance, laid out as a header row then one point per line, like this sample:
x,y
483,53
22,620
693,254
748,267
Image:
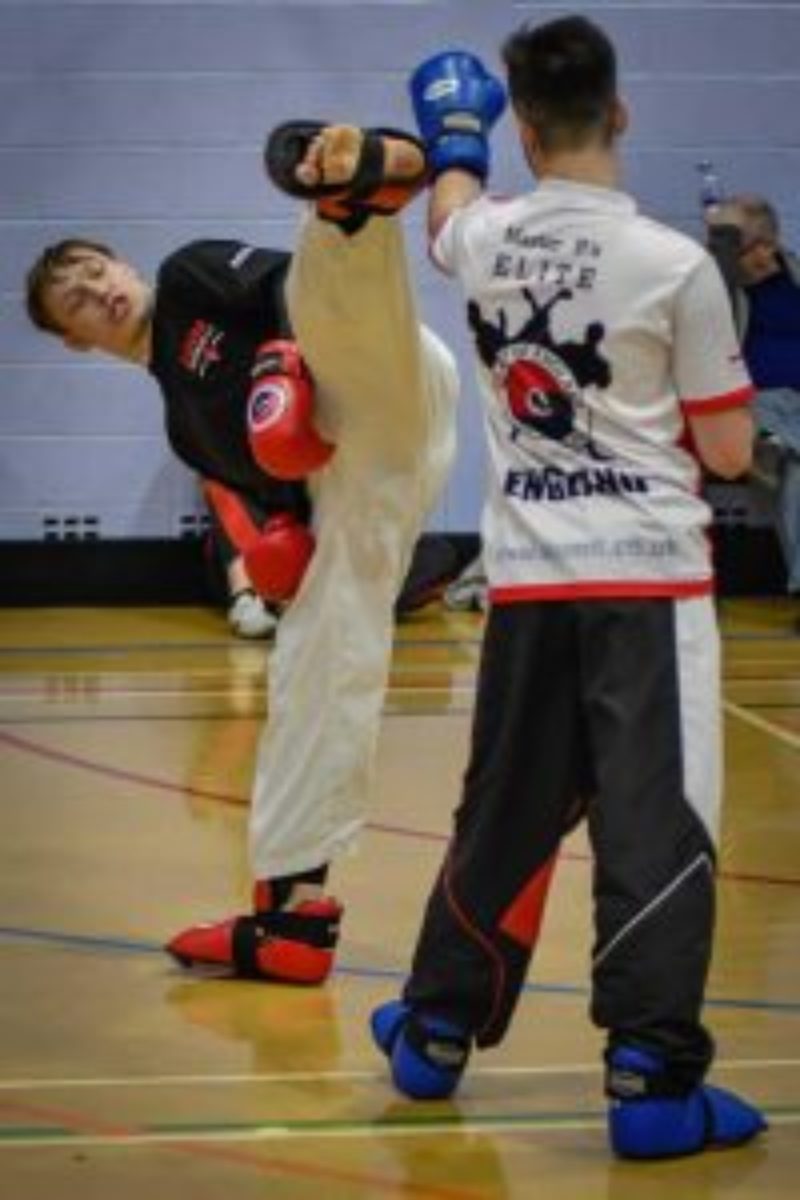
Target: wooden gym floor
x,y
127,739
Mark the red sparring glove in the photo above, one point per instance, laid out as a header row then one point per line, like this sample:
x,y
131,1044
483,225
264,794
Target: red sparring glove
x,y
276,561
280,410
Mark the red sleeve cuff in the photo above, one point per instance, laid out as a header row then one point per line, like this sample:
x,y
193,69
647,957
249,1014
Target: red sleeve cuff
x,y
715,404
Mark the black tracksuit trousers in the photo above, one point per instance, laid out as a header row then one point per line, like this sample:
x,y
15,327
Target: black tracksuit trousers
x,y
592,708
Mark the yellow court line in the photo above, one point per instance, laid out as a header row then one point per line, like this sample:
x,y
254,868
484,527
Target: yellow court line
x,y
763,725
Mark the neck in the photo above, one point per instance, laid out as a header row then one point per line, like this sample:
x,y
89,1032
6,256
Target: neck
x,y
141,351
141,347
598,167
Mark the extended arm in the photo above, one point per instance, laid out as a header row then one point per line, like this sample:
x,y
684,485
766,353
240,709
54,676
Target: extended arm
x,y
456,103
450,191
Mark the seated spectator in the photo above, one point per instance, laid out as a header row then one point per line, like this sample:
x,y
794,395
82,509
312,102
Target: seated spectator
x,y
764,279
434,566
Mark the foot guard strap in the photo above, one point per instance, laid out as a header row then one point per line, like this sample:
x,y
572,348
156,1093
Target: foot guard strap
x,y
293,946
253,936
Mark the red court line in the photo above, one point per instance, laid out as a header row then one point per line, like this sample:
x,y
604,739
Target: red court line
x,y
29,746
85,764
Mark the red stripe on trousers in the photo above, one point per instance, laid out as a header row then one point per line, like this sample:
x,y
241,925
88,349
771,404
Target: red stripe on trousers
x,y
522,919
475,934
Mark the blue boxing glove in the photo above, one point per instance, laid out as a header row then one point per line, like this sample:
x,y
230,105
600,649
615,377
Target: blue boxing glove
x,y
456,103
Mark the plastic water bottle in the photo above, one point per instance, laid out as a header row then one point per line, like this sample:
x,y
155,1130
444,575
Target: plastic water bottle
x,y
711,190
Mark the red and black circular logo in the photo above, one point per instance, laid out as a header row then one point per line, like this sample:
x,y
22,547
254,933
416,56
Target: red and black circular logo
x,y
540,391
267,405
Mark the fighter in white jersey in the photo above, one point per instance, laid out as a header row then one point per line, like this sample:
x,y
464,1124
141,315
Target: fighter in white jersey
x,y
608,366
599,334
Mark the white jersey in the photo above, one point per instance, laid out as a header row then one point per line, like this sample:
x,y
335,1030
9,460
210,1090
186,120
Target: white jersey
x,y
597,331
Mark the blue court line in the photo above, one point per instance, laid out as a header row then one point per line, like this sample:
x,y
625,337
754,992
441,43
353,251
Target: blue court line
x,y
88,942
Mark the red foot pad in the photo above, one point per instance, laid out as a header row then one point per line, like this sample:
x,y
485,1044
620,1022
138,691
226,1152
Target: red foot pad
x,y
294,946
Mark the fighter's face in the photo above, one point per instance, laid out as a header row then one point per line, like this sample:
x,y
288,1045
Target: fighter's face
x,y
100,303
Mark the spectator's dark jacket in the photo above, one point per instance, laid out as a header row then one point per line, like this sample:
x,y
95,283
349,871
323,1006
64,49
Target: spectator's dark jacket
x,y
724,243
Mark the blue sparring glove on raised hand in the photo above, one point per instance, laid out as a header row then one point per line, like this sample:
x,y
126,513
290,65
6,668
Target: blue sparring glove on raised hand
x,y
456,103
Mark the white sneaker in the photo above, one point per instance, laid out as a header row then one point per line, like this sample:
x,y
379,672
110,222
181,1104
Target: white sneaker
x,y
249,617
470,591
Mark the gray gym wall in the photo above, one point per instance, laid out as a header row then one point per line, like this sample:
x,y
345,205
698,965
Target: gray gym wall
x,y
140,123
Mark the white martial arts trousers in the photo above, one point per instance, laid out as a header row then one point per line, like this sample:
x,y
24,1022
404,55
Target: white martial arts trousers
x,y
386,391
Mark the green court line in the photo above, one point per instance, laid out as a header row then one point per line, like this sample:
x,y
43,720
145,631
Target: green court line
x,y
175,1131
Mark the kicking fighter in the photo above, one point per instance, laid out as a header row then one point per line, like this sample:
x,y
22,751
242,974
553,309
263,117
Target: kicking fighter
x,y
276,369
609,364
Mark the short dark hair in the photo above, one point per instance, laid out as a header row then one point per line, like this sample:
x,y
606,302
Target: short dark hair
x,y
562,78
45,270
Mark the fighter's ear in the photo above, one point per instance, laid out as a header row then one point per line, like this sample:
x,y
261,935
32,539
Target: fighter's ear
x,y
620,117
530,142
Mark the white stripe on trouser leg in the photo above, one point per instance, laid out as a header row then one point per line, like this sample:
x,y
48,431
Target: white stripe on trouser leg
x,y
697,653
386,394
702,862
698,658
